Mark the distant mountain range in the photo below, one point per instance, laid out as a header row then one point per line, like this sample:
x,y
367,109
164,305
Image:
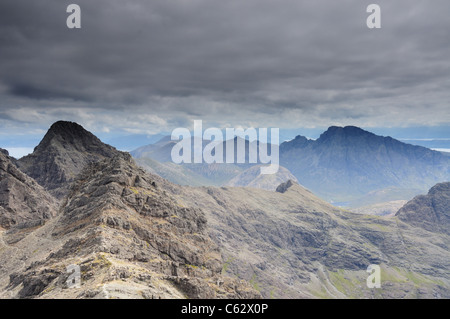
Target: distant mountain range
x,y
136,235
157,159
345,165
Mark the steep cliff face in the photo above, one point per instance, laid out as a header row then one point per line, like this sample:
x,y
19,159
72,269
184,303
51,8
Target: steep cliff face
x,y
431,211
63,152
23,203
131,240
291,244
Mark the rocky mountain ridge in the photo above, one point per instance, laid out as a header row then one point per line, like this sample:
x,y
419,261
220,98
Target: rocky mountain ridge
x,y
130,238
136,235
347,163
61,155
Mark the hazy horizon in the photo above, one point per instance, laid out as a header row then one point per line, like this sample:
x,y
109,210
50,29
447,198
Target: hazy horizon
x,y
22,145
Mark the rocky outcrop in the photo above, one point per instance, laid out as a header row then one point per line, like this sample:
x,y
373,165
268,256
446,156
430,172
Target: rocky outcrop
x,y
129,236
431,211
61,155
283,187
252,177
291,244
23,202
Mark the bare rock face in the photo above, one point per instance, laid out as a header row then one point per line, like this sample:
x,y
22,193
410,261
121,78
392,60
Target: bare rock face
x,y
291,244
431,211
61,155
22,201
131,240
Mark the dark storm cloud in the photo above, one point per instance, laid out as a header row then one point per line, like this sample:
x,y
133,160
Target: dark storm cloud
x,y
226,61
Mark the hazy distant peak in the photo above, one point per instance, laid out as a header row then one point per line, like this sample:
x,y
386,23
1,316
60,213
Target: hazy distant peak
x,y
298,142
347,131
164,139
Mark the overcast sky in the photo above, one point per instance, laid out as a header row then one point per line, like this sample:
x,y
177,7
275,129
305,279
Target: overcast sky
x,y
145,66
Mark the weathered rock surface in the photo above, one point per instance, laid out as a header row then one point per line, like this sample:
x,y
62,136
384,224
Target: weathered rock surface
x,y
131,240
291,244
431,211
23,203
61,155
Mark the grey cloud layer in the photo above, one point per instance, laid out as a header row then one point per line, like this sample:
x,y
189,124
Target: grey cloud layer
x,y
226,61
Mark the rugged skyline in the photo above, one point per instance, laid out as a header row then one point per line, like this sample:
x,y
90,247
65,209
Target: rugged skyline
x,y
135,235
151,66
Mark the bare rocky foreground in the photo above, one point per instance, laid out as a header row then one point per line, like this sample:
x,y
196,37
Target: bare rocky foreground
x,y
136,235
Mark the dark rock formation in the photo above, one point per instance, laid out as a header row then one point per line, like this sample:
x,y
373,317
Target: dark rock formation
x,y
431,211
62,154
282,188
22,200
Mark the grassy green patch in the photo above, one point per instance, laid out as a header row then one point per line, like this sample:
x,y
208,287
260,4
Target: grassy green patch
x,y
226,265
254,283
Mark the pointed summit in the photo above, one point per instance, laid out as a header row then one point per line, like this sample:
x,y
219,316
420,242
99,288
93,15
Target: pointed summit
x,y
74,136
61,155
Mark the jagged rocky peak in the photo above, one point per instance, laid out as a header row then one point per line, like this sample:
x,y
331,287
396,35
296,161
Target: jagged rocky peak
x,y
62,154
73,135
132,239
23,202
431,211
